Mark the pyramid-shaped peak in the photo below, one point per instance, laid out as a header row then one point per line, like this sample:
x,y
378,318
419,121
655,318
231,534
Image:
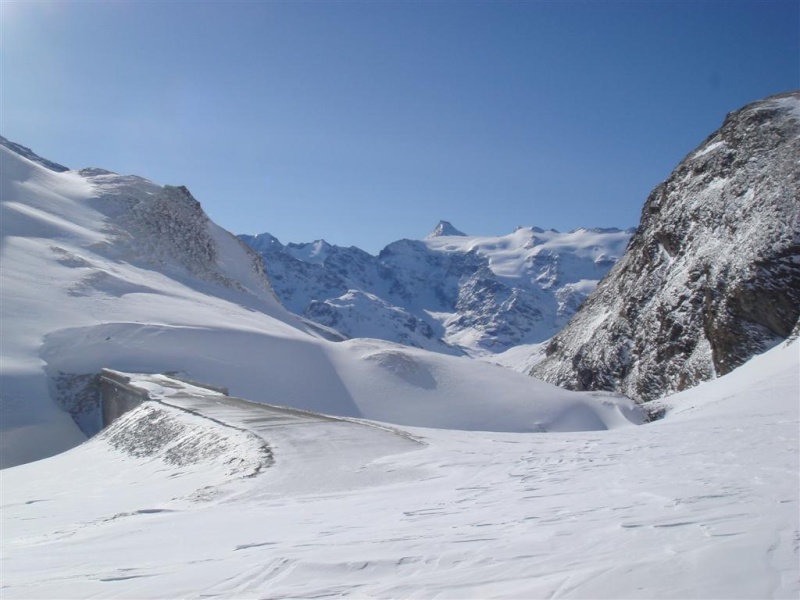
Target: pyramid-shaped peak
x,y
444,228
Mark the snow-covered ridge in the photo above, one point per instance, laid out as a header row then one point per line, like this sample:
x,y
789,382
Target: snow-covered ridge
x,y
482,295
31,155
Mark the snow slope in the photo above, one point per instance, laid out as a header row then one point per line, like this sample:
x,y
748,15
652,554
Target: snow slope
x,y
102,270
702,504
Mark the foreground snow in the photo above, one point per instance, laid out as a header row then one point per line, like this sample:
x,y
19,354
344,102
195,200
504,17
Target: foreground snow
x,y
703,504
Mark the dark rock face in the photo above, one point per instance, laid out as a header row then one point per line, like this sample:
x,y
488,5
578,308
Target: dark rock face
x,y
712,276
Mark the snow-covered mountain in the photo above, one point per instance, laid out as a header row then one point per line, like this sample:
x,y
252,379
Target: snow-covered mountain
x,y
450,292
712,276
104,270
487,483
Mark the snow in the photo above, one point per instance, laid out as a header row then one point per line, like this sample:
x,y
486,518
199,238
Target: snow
x,y
480,294
520,358
712,147
156,287
787,103
703,504
477,482
315,252
444,228
510,254
363,315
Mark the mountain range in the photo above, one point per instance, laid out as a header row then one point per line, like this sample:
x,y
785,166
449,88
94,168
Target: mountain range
x,y
267,456
449,292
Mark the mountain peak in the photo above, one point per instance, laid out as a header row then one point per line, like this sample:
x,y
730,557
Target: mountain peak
x,y
444,228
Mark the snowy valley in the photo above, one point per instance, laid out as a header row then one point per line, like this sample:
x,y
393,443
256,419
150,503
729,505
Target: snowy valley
x,y
364,467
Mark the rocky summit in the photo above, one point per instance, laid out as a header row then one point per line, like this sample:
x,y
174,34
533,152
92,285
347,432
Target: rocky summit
x,y
712,276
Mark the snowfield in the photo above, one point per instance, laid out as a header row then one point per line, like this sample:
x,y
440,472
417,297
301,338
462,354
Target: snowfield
x,y
702,504
340,469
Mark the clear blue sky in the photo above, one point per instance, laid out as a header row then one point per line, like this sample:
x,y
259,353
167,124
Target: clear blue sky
x,y
366,122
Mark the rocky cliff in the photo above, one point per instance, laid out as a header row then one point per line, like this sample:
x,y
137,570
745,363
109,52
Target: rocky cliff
x,y
712,275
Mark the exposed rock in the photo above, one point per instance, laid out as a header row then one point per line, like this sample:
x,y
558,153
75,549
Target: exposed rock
x,y
712,276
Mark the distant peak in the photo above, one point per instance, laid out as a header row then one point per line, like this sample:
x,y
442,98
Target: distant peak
x,y
444,228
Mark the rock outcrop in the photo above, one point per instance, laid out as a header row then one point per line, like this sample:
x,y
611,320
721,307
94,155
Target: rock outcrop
x,y
712,276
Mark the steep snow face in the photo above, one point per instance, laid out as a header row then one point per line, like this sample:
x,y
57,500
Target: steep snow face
x,y
102,270
481,294
712,276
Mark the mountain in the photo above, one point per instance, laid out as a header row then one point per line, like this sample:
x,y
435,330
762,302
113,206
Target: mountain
x,y
444,228
359,468
712,276
450,292
106,270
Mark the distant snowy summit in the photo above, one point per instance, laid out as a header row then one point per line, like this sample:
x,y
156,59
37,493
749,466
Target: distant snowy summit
x,y
712,276
449,292
444,228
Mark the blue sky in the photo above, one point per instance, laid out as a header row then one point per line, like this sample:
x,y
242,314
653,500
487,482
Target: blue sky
x,y
366,122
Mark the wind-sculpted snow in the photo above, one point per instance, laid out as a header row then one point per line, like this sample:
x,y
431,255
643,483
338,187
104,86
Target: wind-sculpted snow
x,y
712,276
101,270
481,294
702,504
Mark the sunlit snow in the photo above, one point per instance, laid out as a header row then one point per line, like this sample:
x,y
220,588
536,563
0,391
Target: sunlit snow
x,y
352,469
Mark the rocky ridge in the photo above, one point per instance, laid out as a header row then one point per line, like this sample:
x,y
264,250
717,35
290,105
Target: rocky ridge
x,y
712,276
